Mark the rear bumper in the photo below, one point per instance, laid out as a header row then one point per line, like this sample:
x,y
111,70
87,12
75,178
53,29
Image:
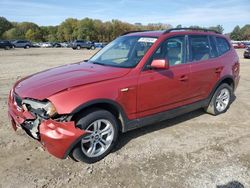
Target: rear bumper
x,y
58,138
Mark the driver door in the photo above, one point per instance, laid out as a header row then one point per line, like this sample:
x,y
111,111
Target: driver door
x,y
163,89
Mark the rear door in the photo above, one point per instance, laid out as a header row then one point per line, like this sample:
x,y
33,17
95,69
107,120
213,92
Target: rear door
x,y
205,68
19,43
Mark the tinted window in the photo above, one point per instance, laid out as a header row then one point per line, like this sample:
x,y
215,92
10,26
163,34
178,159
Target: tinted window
x,y
213,50
172,49
199,48
222,45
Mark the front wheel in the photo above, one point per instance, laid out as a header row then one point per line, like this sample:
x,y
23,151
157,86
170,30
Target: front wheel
x,y
221,100
103,132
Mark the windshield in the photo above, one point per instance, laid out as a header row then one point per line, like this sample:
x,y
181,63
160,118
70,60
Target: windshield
x,y
125,51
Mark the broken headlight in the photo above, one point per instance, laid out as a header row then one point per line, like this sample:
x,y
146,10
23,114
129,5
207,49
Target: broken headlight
x,y
43,109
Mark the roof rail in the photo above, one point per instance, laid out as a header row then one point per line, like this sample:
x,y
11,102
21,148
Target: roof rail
x,y
128,32
192,29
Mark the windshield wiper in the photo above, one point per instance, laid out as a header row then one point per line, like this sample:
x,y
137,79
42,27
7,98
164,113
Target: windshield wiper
x,y
98,63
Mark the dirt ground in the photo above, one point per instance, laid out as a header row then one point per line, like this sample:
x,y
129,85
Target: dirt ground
x,y
193,150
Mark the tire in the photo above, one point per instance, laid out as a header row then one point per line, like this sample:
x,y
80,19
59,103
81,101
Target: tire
x,y
221,100
78,47
7,48
27,47
92,47
104,132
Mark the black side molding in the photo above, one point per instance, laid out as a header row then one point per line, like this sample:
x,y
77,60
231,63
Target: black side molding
x,y
141,122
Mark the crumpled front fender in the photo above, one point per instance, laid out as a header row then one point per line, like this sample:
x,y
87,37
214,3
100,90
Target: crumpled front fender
x,y
59,137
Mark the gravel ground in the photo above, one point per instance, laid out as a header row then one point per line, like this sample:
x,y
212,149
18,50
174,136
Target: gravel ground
x,y
193,150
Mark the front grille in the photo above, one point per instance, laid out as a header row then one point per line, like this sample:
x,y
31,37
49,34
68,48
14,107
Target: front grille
x,y
18,100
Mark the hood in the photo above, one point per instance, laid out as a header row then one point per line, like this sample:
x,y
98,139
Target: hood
x,y
44,84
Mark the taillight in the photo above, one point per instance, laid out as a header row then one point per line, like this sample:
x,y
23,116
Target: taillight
x,y
236,68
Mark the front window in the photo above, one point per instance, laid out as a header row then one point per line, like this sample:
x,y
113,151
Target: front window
x,y
172,49
125,51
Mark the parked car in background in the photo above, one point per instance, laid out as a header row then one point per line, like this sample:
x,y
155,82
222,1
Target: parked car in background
x,y
247,53
100,44
239,45
46,45
56,45
78,44
140,78
65,44
36,45
5,44
22,44
247,44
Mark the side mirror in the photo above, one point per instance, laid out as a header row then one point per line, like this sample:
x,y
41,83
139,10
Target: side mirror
x,y
159,64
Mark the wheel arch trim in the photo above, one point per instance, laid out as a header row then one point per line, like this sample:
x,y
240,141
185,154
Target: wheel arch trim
x,y
122,116
221,80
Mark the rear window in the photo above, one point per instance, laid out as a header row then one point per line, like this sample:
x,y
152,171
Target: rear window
x,y
199,47
222,45
213,50
21,41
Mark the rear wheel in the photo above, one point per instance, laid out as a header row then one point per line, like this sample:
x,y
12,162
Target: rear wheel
x,y
27,47
103,132
221,100
92,47
78,47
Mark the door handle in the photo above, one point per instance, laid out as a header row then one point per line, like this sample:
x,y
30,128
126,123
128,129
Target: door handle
x,y
183,78
218,70
124,89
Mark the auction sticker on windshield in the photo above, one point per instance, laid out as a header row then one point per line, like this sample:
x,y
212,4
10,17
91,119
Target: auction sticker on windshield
x,y
147,39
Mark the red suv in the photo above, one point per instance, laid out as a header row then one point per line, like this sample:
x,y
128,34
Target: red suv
x,y
138,79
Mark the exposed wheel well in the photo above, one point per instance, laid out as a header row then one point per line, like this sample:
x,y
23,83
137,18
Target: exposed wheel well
x,y
105,106
228,81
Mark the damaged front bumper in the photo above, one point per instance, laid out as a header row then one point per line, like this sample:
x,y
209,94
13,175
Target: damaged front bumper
x,y
58,138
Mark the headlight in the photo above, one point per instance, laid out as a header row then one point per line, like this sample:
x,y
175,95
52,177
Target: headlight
x,y
50,109
39,107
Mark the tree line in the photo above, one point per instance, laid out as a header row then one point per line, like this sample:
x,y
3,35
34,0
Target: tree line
x,y
71,29
90,29
241,33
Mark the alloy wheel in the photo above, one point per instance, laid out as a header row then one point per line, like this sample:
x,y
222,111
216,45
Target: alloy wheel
x,y
101,135
222,100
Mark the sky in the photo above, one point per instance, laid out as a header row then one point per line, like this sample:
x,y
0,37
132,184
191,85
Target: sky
x,y
228,13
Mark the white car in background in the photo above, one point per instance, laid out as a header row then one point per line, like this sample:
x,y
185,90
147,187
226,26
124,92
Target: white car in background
x,y
46,45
